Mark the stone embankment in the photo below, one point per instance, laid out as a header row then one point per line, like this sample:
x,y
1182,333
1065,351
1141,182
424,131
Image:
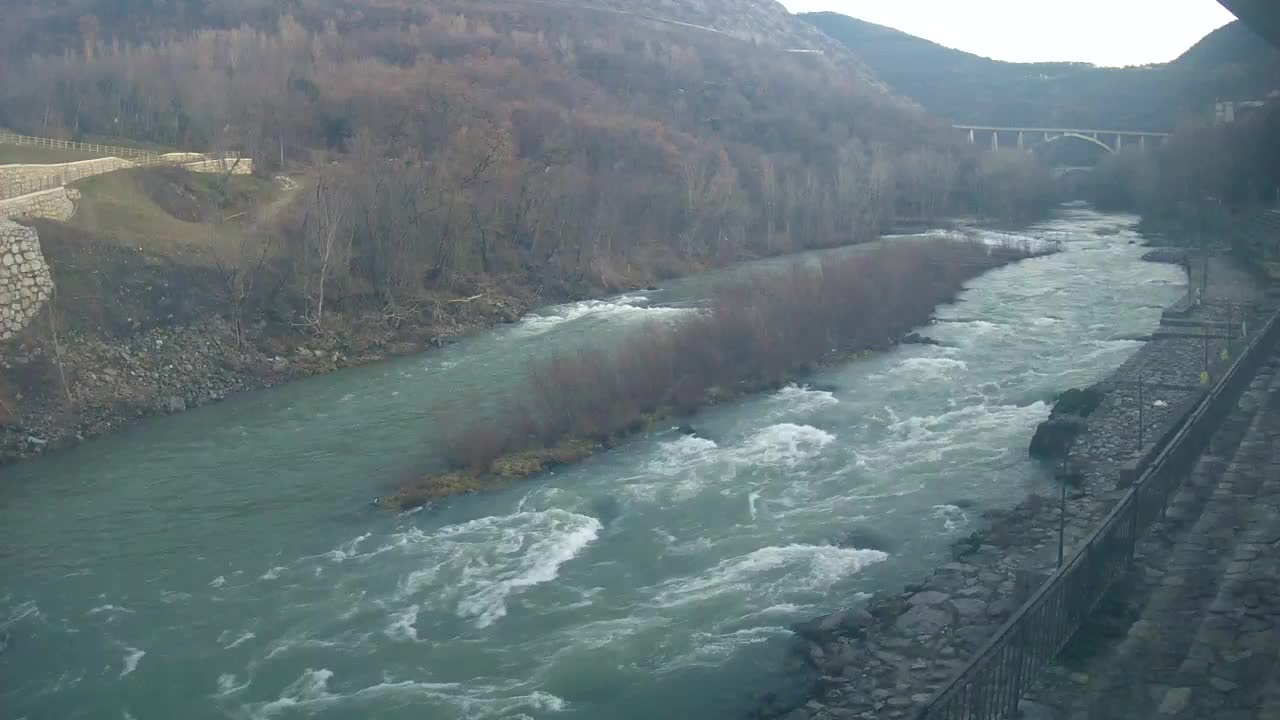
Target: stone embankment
x,y
101,382
25,283
39,191
58,203
19,179
1199,618
886,659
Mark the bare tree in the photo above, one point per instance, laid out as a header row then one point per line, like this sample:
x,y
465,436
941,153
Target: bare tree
x,y
326,243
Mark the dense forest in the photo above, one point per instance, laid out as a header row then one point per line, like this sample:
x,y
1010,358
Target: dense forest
x,y
446,140
1202,169
1231,63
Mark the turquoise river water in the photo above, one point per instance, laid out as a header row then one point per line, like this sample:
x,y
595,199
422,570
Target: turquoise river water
x,y
226,562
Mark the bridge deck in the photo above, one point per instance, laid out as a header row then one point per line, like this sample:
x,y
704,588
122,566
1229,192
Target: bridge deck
x,y
1086,131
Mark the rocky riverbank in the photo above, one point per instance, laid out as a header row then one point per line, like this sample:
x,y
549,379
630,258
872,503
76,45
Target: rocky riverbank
x,y
886,658
88,383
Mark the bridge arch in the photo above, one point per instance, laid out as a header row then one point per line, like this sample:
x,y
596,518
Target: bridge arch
x,y
1078,136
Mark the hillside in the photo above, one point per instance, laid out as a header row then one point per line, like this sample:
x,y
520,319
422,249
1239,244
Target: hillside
x,y
460,162
1229,63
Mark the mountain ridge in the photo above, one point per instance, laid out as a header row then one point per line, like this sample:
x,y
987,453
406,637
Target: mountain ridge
x,y
962,87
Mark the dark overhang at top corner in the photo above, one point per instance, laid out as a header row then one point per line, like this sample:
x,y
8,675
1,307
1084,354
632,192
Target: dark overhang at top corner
x,y
1262,16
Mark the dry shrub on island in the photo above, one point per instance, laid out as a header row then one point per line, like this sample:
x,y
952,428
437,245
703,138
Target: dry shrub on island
x,y
754,334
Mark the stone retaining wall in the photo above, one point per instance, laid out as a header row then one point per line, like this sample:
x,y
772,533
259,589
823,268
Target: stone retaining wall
x,y
236,166
25,283
39,177
56,204
18,180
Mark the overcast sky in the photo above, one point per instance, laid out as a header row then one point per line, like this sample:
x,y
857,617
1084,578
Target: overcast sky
x,y
1103,32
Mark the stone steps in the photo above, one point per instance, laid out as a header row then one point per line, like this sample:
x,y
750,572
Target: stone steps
x,y
1233,657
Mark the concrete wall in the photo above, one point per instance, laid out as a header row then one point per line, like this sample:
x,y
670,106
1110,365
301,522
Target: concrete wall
x,y
25,283
56,204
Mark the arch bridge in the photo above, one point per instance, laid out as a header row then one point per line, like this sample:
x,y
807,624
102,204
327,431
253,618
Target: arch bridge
x,y
1025,138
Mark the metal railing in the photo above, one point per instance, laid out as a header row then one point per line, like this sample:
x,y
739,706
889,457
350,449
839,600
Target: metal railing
x,y
118,151
991,684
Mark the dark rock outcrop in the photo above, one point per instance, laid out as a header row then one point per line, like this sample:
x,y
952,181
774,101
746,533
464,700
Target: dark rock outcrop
x,y
918,339
1173,256
862,539
1054,436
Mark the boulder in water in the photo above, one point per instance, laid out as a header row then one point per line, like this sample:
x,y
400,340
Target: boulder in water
x,y
839,623
862,539
1054,436
1173,256
687,430
918,339
822,387
606,509
1079,402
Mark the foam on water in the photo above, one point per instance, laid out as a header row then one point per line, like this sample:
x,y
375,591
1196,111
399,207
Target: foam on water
x,y
19,613
785,444
109,609
774,572
794,399
712,649
311,693
972,427
132,657
403,625
951,516
242,639
626,307
931,368
227,685
475,568
218,581
527,556
678,456
347,550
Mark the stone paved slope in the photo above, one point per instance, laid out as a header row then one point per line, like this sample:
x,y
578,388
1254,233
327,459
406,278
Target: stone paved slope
x,y
1206,593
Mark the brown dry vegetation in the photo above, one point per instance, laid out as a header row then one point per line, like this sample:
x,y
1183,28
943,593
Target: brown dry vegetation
x,y
755,334
453,140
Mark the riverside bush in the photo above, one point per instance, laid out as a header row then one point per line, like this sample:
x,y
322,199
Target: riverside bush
x,y
755,333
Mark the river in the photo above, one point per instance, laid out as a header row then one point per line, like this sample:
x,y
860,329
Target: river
x,y
226,563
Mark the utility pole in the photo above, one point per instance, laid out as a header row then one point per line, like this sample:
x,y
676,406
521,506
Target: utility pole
x,y
1141,408
1206,347
1062,505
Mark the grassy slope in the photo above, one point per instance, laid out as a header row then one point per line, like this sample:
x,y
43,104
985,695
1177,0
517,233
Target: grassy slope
x,y
36,155
122,206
